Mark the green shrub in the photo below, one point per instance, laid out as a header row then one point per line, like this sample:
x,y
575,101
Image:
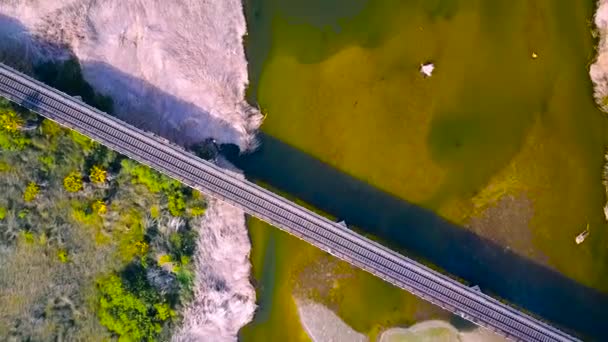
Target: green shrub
x,y
184,260
47,161
182,243
141,174
82,216
176,203
126,315
13,141
185,277
156,182
50,129
23,213
153,180
28,237
163,311
84,142
197,211
11,136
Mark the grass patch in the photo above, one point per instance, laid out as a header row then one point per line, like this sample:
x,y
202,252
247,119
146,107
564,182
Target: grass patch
x,y
77,245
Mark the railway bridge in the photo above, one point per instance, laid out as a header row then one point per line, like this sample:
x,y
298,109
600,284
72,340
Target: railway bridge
x,y
329,236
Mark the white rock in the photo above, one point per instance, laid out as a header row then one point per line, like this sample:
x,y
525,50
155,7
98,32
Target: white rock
x,y
427,69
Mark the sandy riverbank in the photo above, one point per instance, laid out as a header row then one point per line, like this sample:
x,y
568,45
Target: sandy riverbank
x,y
429,330
436,331
598,72
322,324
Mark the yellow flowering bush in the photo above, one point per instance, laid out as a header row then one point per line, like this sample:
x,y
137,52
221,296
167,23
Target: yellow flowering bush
x,y
10,121
73,182
62,254
98,175
31,191
197,211
99,207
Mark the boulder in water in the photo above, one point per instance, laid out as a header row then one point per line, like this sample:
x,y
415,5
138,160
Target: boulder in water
x,y
427,69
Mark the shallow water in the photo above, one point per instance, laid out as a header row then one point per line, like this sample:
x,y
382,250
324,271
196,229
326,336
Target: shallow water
x,y
277,259
343,86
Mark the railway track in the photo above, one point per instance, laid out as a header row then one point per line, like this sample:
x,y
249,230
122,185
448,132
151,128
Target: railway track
x,y
321,232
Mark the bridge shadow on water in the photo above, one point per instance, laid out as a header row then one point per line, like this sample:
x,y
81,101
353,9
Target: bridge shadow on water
x,y
421,234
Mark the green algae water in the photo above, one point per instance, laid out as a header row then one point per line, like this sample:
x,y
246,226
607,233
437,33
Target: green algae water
x,y
277,319
340,81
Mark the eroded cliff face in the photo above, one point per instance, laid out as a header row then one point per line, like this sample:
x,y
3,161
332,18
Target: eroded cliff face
x,y
224,300
174,67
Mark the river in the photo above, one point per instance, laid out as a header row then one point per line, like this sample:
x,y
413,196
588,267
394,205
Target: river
x,y
487,170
